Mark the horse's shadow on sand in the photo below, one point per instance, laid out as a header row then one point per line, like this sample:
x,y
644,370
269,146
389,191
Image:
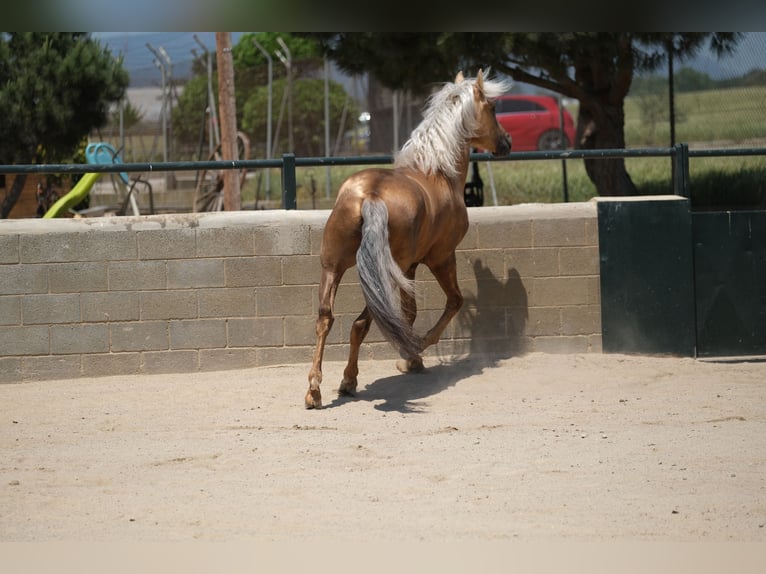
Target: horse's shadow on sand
x,y
492,336
407,393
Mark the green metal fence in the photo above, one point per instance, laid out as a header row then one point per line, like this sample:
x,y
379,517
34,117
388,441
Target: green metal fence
x,y
679,155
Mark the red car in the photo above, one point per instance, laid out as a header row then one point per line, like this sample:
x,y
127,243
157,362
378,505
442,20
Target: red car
x,y
533,122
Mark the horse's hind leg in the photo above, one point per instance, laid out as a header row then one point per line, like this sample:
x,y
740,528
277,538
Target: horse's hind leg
x,y
328,286
359,331
410,312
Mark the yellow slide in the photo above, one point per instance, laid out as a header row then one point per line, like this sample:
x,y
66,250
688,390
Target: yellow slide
x,y
75,196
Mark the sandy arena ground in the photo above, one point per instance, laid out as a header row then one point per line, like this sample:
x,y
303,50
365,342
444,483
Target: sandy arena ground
x,y
532,448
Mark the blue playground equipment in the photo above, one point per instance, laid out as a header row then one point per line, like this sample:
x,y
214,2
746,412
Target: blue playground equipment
x,y
104,154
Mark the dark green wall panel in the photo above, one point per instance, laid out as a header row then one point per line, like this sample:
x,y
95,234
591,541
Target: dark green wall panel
x,y
730,278
647,292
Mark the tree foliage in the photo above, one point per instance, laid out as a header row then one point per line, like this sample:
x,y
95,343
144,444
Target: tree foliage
x,y
131,115
190,111
246,54
596,68
399,60
308,121
251,81
54,89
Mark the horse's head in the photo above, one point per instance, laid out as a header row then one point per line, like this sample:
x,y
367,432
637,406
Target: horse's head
x,y
459,116
489,134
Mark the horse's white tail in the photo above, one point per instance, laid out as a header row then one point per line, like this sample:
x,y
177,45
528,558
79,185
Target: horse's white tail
x,y
381,280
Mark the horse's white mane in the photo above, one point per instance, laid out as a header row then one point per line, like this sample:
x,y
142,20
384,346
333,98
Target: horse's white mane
x,y
449,121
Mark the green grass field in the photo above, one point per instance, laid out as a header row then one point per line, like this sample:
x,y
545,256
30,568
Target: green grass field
x,y
711,117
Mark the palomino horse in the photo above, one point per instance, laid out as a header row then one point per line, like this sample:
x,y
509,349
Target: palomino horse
x,y
388,221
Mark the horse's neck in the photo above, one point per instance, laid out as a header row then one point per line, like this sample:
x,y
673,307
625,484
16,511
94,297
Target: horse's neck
x,y
454,186
462,171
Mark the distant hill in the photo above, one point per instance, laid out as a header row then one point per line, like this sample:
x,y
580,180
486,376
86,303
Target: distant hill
x,y
749,55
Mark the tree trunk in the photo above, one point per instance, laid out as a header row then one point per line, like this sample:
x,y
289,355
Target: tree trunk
x,y
601,126
13,195
231,189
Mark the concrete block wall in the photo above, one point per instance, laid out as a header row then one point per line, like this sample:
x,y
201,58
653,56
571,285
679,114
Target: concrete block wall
x,y
213,291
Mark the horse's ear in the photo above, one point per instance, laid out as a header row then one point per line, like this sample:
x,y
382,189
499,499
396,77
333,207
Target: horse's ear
x,y
480,79
459,78
479,85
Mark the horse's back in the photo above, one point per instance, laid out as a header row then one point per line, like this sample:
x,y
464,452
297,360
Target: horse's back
x,y
391,186
426,221
403,196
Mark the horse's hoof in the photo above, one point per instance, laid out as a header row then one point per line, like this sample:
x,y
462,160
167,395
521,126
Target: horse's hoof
x,y
347,388
313,399
410,365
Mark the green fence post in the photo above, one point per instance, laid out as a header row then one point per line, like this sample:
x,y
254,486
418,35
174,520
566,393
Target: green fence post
x,y
289,200
681,170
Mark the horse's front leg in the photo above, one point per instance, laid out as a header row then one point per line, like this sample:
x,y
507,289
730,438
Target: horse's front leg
x,y
359,331
446,275
328,286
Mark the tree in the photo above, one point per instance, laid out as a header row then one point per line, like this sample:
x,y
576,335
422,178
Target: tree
x,y
596,68
399,60
250,73
190,113
131,115
305,52
689,80
54,89
309,119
